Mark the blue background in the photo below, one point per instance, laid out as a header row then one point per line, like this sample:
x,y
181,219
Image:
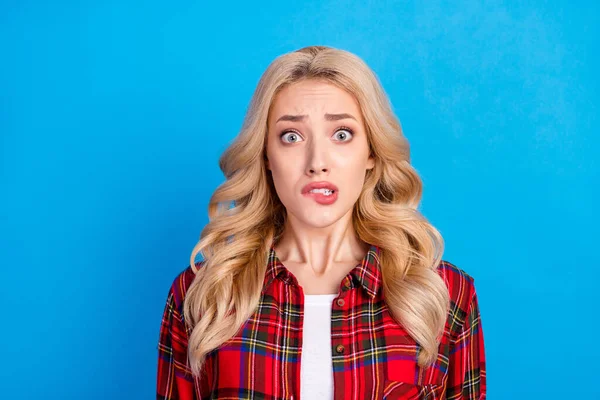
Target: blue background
x,y
113,116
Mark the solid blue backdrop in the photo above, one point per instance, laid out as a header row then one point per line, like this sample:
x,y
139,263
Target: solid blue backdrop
x,y
113,116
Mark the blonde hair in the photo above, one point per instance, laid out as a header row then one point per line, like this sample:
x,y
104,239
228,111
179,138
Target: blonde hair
x,y
236,241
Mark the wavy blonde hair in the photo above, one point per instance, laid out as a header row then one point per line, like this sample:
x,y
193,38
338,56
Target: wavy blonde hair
x,y
246,215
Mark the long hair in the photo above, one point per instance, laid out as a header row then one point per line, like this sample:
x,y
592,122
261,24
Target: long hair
x,y
246,215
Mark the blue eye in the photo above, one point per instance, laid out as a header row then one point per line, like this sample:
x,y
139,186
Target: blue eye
x,y
292,137
343,134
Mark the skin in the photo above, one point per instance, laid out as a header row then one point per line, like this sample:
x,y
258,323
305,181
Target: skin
x,y
319,245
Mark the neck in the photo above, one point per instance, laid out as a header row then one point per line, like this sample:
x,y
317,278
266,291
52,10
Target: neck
x,y
320,248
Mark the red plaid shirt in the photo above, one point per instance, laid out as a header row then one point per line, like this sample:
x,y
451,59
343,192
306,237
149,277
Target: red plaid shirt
x,y
373,356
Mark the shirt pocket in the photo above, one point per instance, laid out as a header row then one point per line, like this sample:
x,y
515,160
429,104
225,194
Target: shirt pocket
x,y
397,390
405,380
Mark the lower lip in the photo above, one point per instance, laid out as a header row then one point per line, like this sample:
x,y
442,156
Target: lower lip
x,y
323,199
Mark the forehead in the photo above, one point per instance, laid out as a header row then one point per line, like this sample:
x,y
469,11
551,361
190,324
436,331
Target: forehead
x,y
314,96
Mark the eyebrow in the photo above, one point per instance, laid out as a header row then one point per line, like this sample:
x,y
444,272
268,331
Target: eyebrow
x,y
328,117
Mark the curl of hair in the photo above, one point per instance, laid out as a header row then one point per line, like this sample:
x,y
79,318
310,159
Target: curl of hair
x,y
236,241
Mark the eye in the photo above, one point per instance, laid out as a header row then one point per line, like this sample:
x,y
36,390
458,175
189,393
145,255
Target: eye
x,y
291,137
343,134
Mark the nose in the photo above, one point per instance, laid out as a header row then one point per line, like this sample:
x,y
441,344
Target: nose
x,y
317,159
313,171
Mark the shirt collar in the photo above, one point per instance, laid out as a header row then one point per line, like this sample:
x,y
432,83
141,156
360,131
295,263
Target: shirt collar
x,y
366,274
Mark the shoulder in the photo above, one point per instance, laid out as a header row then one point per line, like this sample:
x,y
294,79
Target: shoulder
x,y
461,288
181,284
455,277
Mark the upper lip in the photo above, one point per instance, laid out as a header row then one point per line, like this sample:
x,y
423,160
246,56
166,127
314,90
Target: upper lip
x,y
319,185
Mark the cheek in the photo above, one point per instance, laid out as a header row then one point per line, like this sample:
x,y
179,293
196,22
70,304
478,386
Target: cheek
x,y
355,178
280,168
355,184
284,177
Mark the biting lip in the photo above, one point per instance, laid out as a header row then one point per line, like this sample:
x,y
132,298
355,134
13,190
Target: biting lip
x,y
319,185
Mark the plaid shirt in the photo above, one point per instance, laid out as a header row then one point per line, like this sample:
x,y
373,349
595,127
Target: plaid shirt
x,y
373,357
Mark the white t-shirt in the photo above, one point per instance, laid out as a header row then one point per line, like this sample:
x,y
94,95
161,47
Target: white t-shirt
x,y
316,369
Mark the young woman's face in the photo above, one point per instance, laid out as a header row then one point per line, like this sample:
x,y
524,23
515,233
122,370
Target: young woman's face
x,y
316,135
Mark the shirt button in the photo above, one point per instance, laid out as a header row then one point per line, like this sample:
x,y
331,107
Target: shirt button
x,y
339,348
341,302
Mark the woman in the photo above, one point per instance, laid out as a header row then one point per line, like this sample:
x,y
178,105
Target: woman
x,y
320,279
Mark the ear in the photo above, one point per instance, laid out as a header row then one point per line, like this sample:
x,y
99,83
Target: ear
x,y
371,162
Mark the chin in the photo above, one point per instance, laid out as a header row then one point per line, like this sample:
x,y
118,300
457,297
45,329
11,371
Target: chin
x,y
321,219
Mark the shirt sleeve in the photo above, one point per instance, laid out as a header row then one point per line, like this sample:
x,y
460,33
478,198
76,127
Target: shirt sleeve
x,y
174,377
467,375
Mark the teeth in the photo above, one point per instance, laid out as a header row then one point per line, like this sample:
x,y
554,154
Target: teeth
x,y
326,192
